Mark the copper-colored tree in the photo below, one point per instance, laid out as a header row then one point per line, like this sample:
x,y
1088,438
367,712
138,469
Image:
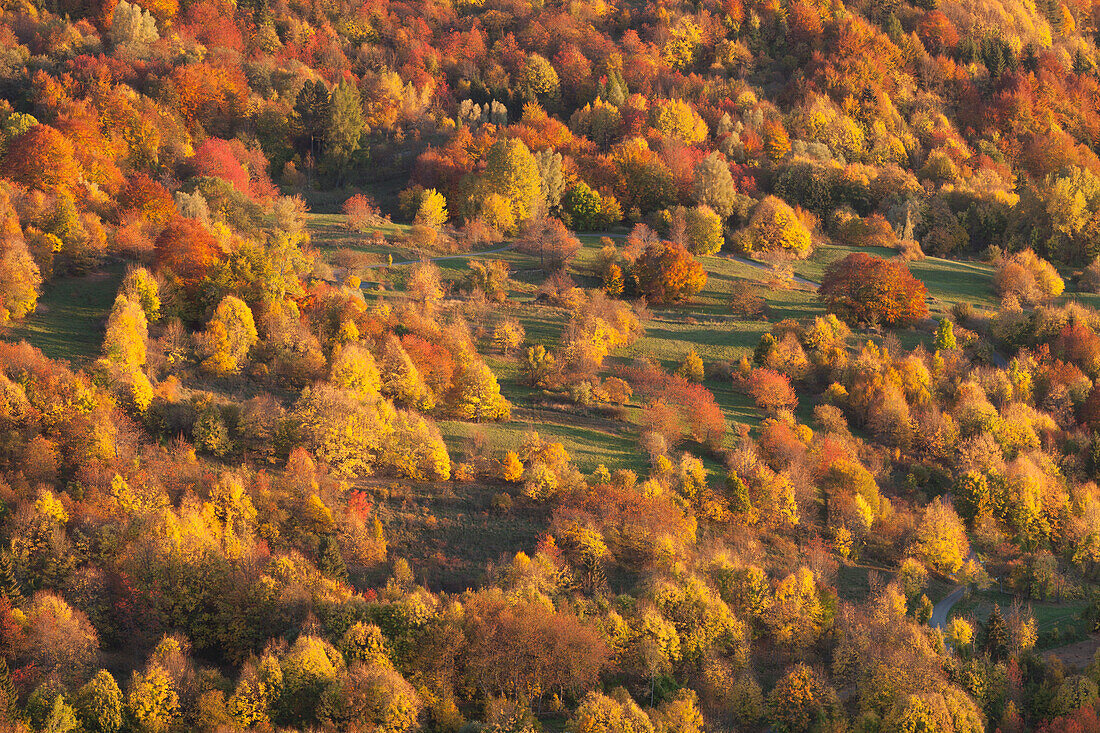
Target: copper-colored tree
x,y
865,289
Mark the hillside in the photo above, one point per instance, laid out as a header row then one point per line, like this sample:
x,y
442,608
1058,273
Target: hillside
x,y
497,366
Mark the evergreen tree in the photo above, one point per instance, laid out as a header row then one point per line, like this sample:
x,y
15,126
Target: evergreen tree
x,y
738,493
764,350
8,697
329,560
995,635
343,128
924,609
1029,58
311,113
945,335
99,704
894,29
9,584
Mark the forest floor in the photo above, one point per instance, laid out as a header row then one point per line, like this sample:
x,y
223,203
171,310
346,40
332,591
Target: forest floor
x,y
1078,655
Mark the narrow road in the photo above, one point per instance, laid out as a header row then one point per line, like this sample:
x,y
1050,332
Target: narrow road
x,y
942,610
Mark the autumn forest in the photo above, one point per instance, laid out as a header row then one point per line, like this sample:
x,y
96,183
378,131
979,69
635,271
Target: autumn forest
x,y
582,366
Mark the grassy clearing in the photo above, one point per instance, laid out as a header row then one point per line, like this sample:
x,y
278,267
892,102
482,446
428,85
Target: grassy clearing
x,y
329,232
948,281
71,315
705,324
588,444
450,536
1057,623
951,282
854,582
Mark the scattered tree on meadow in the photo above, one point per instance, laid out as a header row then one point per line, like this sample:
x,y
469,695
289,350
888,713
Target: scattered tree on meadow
x,y
945,335
862,288
776,228
771,390
666,272
477,394
550,241
361,212
1027,278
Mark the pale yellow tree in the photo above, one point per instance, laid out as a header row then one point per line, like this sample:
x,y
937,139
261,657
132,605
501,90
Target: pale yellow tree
x,y
433,209
127,333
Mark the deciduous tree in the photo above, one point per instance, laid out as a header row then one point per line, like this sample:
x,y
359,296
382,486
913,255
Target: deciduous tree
x,y
229,337
666,272
862,288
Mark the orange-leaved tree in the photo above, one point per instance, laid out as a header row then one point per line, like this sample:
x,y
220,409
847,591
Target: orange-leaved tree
x,y
862,288
666,272
42,158
187,249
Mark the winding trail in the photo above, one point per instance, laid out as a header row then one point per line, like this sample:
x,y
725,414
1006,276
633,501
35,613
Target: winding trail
x,y
464,256
762,266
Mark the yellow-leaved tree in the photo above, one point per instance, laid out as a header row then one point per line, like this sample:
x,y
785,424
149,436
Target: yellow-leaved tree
x,y
416,450
127,333
476,394
433,209
796,616
141,286
401,381
941,538
353,369
775,227
512,172
676,118
229,336
124,354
